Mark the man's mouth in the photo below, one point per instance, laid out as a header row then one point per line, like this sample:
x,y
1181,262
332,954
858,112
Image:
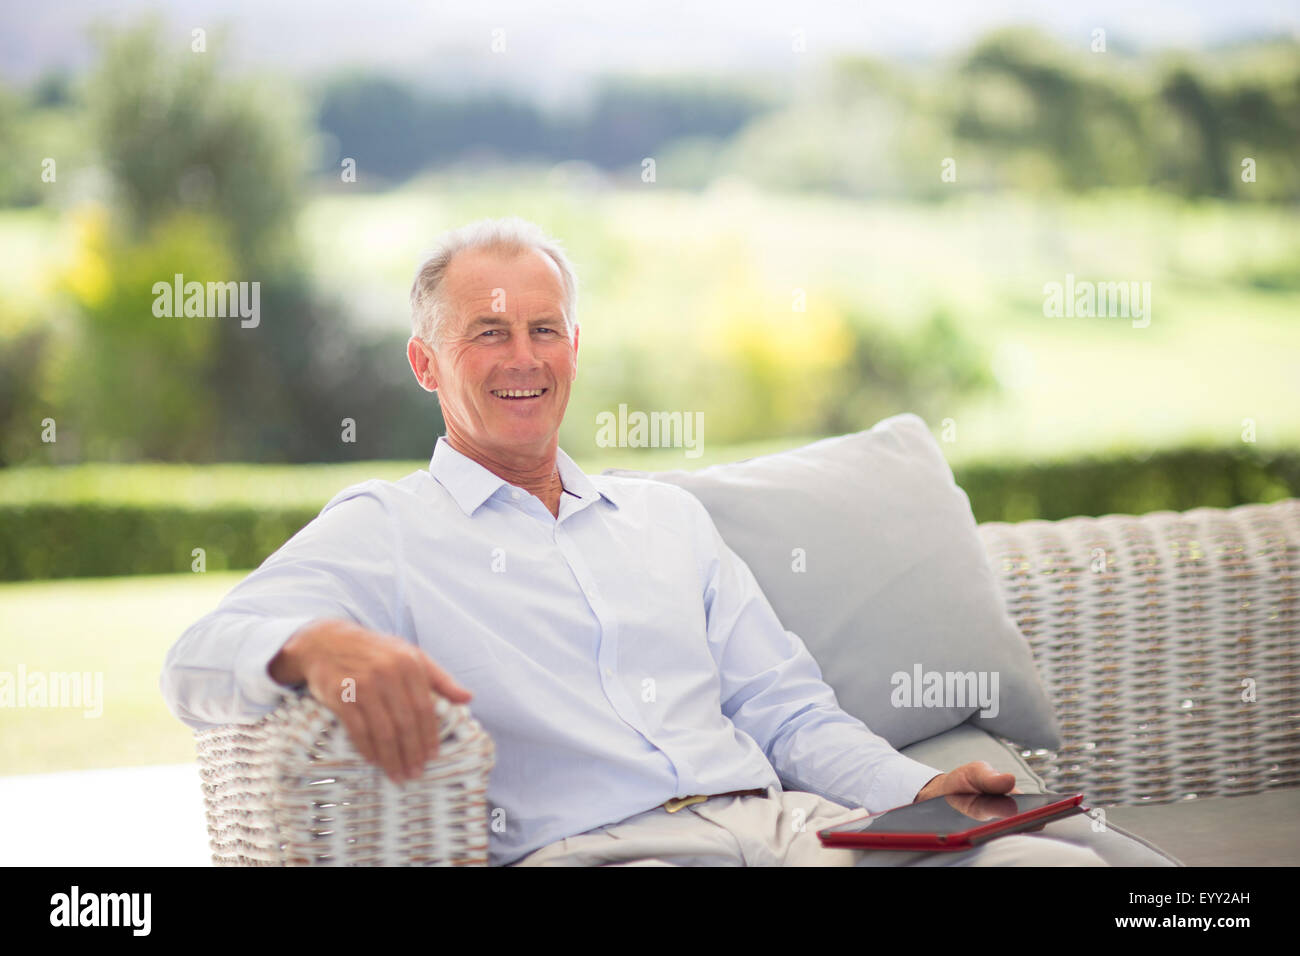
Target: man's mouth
x,y
518,394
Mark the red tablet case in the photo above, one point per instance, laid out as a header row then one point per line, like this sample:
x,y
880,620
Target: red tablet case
x,y
964,840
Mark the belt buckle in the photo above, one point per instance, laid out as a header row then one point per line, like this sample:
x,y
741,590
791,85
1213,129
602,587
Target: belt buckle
x,y
676,803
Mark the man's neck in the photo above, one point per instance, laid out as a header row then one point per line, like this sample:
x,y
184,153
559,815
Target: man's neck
x,y
538,475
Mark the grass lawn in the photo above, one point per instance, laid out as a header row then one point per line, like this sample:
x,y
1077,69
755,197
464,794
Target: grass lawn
x,y
120,627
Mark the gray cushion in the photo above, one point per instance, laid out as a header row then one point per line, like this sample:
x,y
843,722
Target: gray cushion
x,y
1117,845
1257,829
894,576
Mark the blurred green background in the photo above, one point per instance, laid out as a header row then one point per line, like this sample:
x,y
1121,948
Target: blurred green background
x,y
805,260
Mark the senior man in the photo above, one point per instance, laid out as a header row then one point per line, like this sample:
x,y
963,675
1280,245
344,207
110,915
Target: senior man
x,y
646,704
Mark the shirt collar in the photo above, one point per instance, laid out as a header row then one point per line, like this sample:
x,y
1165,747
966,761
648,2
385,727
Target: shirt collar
x,y
470,484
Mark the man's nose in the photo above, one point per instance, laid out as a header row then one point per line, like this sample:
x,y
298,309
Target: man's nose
x,y
523,353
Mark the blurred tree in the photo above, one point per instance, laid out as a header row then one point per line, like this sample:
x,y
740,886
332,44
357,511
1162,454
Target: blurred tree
x,y
208,173
629,119
929,371
396,130
1021,93
763,370
20,173
1214,116
22,400
1025,113
1203,161
129,378
377,121
54,90
175,133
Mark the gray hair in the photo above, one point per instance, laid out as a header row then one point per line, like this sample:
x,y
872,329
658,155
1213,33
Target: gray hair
x,y
510,236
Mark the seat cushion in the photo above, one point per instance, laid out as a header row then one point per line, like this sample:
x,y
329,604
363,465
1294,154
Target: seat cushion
x,y
867,550
1108,834
1257,829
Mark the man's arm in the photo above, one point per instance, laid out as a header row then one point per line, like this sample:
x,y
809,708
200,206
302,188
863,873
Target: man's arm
x,y
340,566
772,690
321,610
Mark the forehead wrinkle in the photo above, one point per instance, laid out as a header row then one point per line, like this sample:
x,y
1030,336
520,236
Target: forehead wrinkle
x,y
542,299
531,312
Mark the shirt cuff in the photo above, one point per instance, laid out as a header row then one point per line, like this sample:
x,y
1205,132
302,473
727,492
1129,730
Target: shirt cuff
x,y
262,641
897,783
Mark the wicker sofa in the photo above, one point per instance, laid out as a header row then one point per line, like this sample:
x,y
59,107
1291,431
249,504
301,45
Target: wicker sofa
x,y
1170,645
1169,642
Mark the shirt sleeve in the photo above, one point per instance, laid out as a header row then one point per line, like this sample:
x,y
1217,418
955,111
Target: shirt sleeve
x,y
772,689
343,564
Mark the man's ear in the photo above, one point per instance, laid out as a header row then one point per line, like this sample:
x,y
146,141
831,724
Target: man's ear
x,y
576,330
420,355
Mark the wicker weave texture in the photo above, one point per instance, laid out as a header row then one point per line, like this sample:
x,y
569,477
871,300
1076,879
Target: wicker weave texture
x,y
291,790
1169,644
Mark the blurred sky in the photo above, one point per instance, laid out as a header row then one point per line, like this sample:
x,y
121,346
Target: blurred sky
x,y
553,48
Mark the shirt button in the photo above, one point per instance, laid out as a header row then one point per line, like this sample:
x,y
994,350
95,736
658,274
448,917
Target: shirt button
x,y
608,672
515,494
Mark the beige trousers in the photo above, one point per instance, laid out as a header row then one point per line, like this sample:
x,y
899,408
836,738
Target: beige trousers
x,y
780,829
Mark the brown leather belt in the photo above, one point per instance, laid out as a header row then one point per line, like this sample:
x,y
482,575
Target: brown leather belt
x,y
676,803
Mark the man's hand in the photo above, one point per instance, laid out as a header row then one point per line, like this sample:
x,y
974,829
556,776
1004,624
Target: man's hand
x,y
969,788
976,777
389,713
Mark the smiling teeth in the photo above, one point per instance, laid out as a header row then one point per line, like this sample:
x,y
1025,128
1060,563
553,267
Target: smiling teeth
x,y
518,392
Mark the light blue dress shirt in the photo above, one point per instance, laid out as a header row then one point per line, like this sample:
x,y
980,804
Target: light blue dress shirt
x,y
619,655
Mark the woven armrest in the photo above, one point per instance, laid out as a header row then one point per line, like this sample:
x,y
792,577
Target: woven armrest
x,y
291,790
1169,644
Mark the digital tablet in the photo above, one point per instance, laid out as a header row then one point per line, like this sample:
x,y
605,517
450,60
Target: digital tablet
x,y
955,821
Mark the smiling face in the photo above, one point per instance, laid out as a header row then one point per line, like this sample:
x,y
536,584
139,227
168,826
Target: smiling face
x,y
503,377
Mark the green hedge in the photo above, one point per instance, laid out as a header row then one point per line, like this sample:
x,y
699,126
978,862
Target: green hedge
x,y
97,540
75,538
1175,480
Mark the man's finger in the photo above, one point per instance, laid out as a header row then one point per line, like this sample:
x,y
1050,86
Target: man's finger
x,y
426,721
384,734
407,731
358,732
352,719
993,781
443,683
